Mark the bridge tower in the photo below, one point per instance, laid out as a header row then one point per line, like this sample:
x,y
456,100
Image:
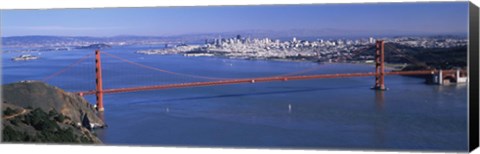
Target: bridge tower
x,y
379,65
98,80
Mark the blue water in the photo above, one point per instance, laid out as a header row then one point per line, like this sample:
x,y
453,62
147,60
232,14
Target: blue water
x,y
325,113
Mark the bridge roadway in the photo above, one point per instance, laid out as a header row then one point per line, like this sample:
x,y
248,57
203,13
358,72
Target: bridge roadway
x,y
257,80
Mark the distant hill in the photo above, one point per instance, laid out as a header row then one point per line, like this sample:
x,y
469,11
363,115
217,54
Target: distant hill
x,y
49,39
304,34
95,46
37,112
75,41
440,58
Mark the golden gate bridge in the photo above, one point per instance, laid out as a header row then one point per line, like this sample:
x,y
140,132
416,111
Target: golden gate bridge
x,y
379,75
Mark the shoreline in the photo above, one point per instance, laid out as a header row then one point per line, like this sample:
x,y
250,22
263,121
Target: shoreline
x,y
388,66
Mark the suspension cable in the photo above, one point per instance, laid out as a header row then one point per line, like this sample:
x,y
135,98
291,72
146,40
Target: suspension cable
x,y
66,68
198,76
160,70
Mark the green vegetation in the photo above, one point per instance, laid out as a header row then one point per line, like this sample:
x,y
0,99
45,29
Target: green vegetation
x,y
37,112
40,120
11,135
48,129
9,112
439,58
16,121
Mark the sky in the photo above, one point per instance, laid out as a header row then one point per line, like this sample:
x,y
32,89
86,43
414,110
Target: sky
x,y
381,19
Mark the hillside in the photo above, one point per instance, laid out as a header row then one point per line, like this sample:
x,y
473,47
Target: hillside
x,y
37,112
95,46
440,58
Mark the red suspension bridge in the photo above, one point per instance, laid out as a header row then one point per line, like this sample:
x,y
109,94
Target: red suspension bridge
x,y
379,75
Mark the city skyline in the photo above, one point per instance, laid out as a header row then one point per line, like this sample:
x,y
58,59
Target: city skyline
x,y
332,19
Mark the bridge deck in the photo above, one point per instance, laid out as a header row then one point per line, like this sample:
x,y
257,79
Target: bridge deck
x,y
256,80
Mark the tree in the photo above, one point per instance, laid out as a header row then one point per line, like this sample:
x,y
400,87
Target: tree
x,y
9,112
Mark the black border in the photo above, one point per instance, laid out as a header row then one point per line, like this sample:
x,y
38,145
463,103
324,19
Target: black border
x,y
473,73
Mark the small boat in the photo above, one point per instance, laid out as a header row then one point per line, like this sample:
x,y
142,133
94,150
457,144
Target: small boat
x,y
24,57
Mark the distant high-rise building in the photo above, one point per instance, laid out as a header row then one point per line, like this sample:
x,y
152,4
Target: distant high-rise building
x,y
371,40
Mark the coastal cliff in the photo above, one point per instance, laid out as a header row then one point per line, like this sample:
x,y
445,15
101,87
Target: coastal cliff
x,y
36,112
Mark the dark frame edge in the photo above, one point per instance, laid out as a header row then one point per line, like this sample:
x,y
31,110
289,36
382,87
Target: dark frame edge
x,y
473,49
